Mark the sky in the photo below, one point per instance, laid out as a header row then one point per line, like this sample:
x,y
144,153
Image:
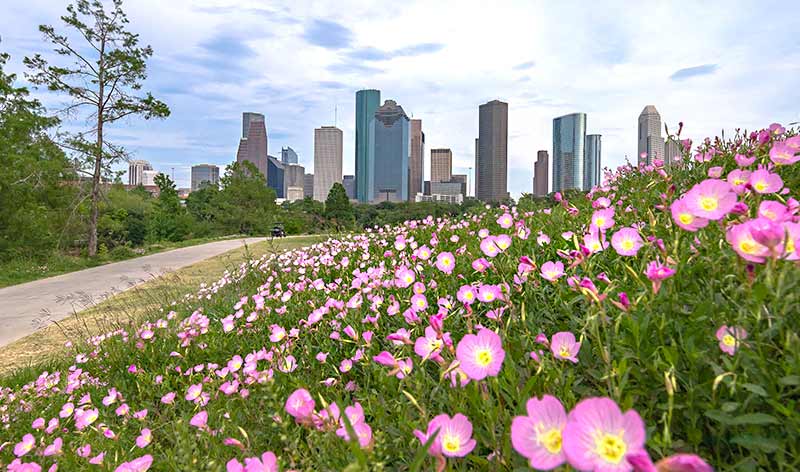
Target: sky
x,y
715,65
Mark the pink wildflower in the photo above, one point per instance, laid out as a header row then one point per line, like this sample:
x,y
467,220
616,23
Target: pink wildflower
x,y
537,436
711,199
730,338
764,181
627,241
552,271
481,354
564,346
141,464
454,438
445,262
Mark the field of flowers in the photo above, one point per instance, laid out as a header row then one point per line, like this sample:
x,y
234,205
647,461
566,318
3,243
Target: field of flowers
x,y
651,325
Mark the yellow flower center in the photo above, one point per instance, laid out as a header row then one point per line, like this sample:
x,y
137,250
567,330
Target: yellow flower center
x,y
446,261
600,221
611,448
551,274
420,303
627,244
789,245
434,344
483,357
564,351
489,296
686,218
451,443
728,340
760,185
739,181
409,279
469,296
596,246
502,244
551,440
747,246
708,203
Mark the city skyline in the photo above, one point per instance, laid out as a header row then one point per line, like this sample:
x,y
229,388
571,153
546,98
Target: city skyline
x,y
209,66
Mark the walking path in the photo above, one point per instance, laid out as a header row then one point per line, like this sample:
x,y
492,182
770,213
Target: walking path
x,y
27,307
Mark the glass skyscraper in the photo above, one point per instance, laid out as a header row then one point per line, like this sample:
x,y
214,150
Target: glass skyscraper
x,y
389,144
288,156
275,176
367,103
591,161
569,138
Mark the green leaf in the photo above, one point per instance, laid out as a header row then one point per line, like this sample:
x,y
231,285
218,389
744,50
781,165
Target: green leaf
x,y
790,380
755,418
719,416
751,442
757,389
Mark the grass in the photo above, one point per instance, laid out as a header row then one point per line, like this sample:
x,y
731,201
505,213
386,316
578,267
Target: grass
x,y
126,309
21,269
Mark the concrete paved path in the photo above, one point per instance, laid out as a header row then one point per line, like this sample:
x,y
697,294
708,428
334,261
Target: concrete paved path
x,y
27,307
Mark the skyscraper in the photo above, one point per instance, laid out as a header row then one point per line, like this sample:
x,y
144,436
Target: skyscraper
x,y
293,181
388,146
253,145
204,174
441,165
651,144
461,179
308,185
591,161
672,151
327,160
349,183
288,156
491,175
416,159
540,169
136,171
367,103
276,176
569,138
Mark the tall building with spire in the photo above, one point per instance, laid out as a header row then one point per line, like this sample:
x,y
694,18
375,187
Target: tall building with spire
x,y
540,170
569,141
327,160
651,144
491,164
253,145
388,145
367,103
416,159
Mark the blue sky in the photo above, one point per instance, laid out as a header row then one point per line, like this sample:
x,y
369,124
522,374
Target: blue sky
x,y
719,65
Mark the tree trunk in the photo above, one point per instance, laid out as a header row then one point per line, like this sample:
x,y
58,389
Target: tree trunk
x,y
98,157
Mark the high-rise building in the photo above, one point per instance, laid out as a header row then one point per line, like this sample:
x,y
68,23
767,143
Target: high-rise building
x,y
416,160
569,139
672,151
349,184
388,145
651,144
149,178
591,161
441,165
288,156
253,145
308,185
477,155
462,179
327,160
276,176
136,171
293,176
367,103
491,176
540,170
204,174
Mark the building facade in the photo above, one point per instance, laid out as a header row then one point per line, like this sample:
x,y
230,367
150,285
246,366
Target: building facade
x,y
327,160
491,175
149,178
462,179
540,171
293,176
253,145
136,172
367,103
416,159
308,185
288,156
651,144
569,141
591,164
672,151
204,174
388,144
441,165
276,174
349,184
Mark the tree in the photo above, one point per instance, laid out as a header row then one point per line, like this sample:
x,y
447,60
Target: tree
x,y
32,174
245,204
337,206
166,221
107,70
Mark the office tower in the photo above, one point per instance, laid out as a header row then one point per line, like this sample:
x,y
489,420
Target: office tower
x,y
651,144
308,185
253,145
569,138
149,178
327,160
294,193
136,171
540,170
288,156
672,151
491,177
367,103
426,187
275,176
349,184
293,177
416,159
441,165
462,179
591,161
388,146
204,174
477,155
